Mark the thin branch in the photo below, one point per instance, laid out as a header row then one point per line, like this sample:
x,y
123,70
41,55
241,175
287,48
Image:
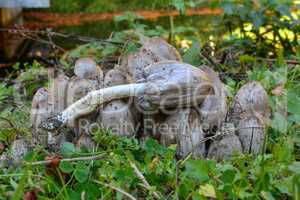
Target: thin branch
x,y
143,179
292,62
45,162
115,188
23,32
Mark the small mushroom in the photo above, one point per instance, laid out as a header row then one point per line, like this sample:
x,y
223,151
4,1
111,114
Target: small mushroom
x,y
226,145
18,150
153,50
86,68
78,88
252,134
117,116
160,47
45,104
250,113
88,77
57,94
183,129
250,100
134,64
40,111
214,107
152,123
114,77
86,141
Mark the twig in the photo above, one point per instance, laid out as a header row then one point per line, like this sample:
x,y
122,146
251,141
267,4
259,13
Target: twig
x,y
117,189
57,34
45,162
292,62
143,179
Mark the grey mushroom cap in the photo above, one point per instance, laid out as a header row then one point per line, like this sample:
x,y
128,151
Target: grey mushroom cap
x,y
114,77
174,84
251,100
160,47
153,50
85,68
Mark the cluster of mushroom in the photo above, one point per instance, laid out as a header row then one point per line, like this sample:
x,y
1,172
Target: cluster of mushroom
x,y
151,93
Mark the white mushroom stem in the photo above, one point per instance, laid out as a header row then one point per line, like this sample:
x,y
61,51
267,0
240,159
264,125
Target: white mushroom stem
x,y
91,101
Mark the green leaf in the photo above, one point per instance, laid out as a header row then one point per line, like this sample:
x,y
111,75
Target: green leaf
x,y
130,48
91,189
179,5
109,50
66,167
152,147
285,185
283,150
81,172
207,190
192,55
295,167
68,149
279,122
296,187
267,195
293,101
228,176
257,19
197,169
228,7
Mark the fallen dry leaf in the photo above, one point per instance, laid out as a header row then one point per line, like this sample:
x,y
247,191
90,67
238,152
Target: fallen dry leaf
x,y
278,90
2,147
30,195
54,161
